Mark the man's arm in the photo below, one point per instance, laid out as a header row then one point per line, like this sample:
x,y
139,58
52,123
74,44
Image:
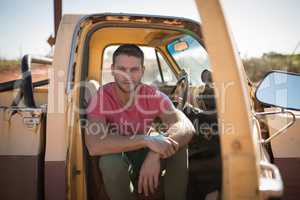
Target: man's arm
x,y
100,141
179,127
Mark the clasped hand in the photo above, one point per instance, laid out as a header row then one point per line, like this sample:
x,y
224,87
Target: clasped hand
x,y
164,146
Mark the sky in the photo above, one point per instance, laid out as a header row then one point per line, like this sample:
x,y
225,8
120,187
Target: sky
x,y
258,26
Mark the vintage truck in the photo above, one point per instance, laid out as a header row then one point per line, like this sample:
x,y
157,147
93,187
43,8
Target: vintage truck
x,y
42,124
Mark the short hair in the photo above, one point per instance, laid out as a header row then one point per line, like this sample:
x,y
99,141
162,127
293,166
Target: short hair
x,y
129,50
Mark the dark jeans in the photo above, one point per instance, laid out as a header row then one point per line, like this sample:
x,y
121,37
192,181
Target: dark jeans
x,y
120,174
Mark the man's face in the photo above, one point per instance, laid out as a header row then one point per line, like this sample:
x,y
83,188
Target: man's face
x,y
127,71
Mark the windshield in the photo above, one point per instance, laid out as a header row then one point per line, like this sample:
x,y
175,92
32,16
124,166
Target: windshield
x,y
191,56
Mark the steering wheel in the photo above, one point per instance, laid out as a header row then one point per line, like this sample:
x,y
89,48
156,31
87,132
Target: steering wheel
x,y
180,92
26,87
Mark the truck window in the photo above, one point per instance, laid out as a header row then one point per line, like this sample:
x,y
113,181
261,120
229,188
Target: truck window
x,y
152,75
191,56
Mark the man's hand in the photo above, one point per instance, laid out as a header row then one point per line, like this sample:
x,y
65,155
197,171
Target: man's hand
x,y
149,174
164,146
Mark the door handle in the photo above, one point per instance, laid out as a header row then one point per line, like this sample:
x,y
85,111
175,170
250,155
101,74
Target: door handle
x,y
271,184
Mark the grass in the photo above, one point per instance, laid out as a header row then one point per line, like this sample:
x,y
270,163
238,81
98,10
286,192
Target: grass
x,y
255,67
9,64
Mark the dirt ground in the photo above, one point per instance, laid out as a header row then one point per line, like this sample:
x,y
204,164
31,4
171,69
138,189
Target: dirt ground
x,y
39,72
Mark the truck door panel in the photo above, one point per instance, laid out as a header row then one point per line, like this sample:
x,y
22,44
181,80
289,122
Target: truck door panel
x,y
286,152
22,134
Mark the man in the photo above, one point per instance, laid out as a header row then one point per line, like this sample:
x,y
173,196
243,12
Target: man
x,y
120,118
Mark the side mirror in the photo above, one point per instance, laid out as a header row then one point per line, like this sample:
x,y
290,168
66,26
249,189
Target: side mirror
x,y
280,89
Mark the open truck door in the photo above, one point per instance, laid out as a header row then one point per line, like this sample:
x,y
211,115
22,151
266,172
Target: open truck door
x,y
278,92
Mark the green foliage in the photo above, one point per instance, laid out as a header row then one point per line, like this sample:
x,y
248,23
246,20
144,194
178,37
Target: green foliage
x,y
9,64
256,68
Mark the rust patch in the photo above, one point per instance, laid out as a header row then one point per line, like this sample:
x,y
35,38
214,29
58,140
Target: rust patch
x,y
236,145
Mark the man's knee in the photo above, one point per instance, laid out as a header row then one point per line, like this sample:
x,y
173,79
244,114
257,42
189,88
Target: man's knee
x,y
115,176
176,169
179,159
113,166
177,166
